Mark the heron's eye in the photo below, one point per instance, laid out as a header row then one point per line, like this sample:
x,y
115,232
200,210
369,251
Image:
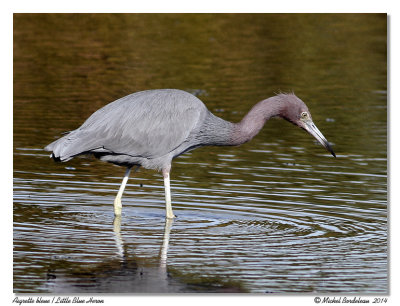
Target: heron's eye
x,y
304,115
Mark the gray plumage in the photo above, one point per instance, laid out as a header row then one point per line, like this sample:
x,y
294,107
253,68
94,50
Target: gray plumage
x,y
150,128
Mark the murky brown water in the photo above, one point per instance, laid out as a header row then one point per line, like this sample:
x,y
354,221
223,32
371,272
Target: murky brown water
x,y
278,214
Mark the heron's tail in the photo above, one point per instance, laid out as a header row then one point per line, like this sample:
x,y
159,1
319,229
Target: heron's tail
x,y
58,149
75,143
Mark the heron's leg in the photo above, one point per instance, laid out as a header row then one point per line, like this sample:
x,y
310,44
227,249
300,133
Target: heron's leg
x,y
168,207
117,201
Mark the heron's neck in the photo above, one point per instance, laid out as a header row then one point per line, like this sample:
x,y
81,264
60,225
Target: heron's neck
x,y
255,119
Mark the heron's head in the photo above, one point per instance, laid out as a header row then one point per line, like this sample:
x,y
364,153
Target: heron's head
x,y
296,111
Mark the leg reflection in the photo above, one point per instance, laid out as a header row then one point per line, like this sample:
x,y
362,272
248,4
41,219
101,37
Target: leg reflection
x,y
164,246
117,236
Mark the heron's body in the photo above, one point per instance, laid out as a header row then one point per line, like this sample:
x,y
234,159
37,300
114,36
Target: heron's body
x,y
150,128
147,128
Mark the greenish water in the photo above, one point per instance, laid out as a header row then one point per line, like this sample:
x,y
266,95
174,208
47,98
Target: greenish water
x,y
276,215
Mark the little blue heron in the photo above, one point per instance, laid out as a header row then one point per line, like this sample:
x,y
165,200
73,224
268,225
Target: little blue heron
x,y
150,128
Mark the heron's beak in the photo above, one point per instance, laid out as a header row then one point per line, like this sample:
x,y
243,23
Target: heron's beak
x,y
310,127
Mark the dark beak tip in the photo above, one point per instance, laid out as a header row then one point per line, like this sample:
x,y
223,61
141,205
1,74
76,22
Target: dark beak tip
x,y
331,150
328,147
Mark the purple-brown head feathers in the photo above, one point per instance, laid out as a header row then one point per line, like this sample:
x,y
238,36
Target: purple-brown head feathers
x,y
292,108
296,111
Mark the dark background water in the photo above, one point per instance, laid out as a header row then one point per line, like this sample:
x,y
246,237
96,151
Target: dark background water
x,y
278,214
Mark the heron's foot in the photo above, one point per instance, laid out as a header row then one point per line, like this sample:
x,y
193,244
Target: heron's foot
x,y
170,215
117,207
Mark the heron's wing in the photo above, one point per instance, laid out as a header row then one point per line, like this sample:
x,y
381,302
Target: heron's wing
x,y
149,124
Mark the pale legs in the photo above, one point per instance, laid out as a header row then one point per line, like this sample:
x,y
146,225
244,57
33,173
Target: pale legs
x,y
168,207
117,201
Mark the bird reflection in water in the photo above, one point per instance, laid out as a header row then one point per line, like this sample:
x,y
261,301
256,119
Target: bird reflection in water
x,y
129,274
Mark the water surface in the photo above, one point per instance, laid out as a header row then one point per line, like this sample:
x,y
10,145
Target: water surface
x,y
276,215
